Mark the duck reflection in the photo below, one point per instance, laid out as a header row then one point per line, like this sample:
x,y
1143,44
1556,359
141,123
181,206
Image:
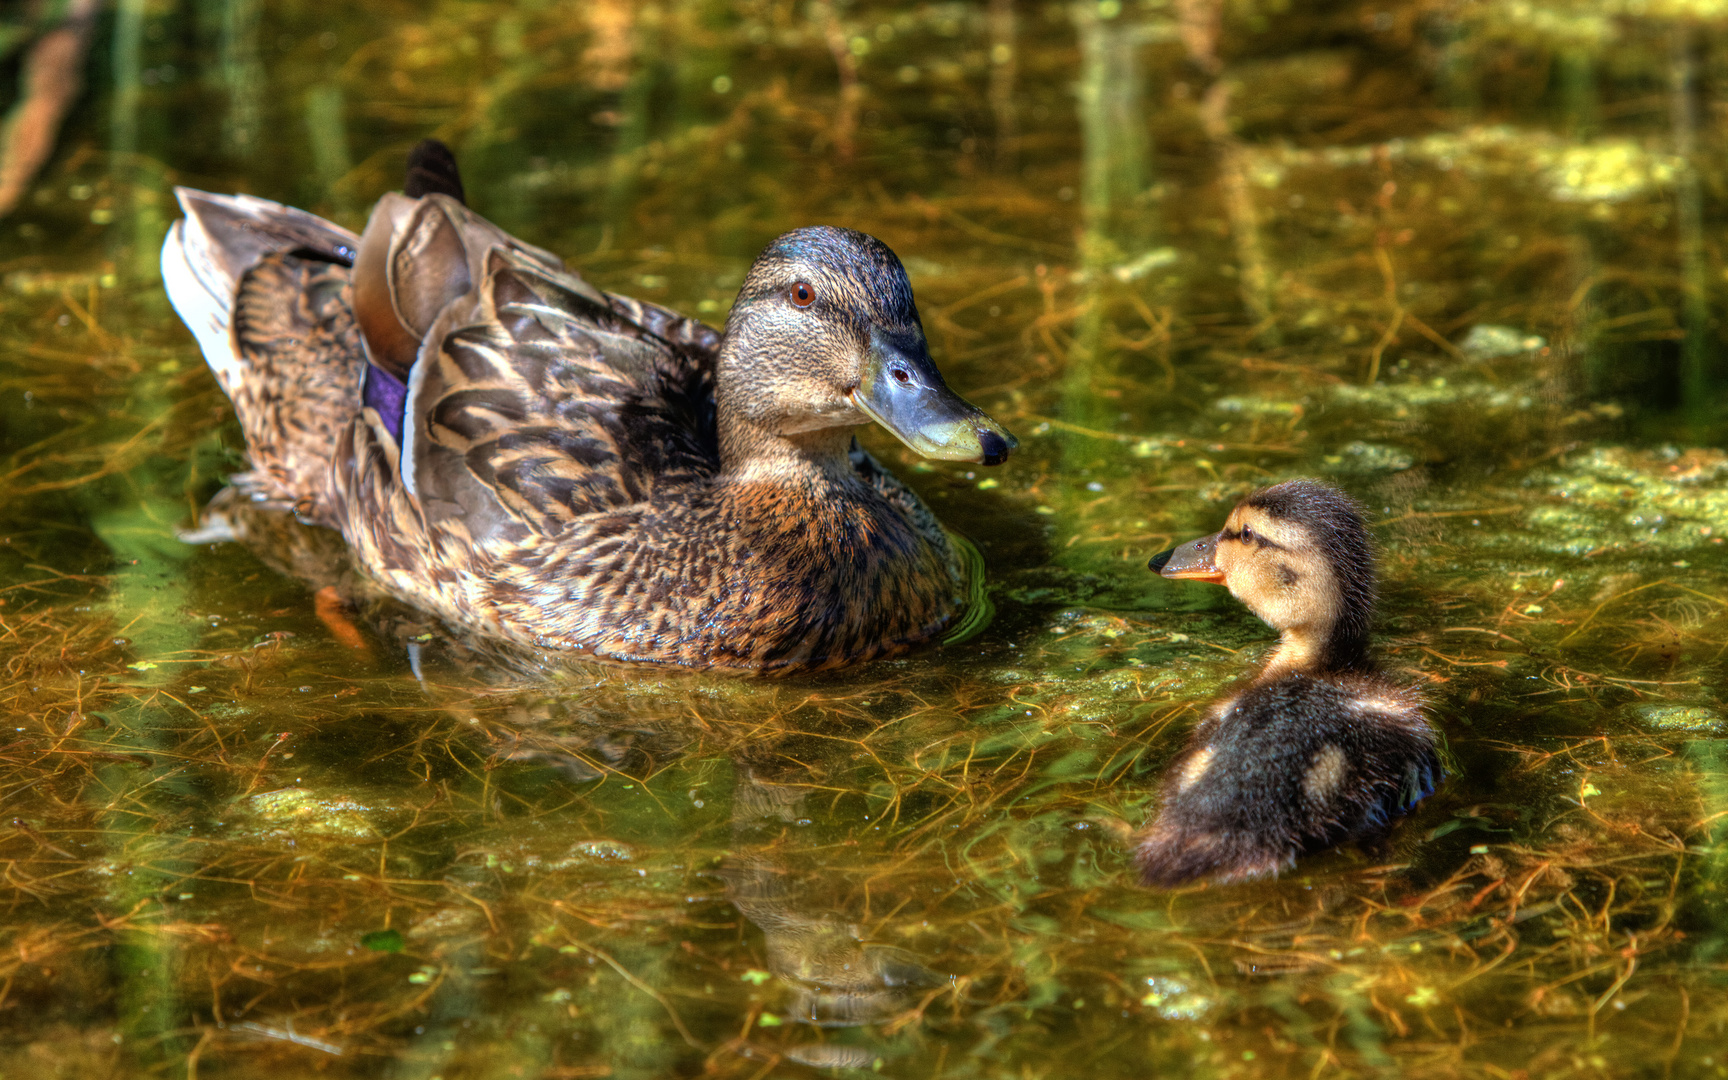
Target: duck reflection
x,y
838,977
833,975
346,600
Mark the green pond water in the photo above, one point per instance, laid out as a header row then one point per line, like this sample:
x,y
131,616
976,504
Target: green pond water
x,y
1463,259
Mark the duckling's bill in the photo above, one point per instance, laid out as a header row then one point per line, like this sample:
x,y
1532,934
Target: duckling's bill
x,y
1194,561
900,388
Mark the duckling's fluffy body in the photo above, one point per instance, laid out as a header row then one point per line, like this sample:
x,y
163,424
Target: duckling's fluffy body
x,y
512,449
1318,750
1292,766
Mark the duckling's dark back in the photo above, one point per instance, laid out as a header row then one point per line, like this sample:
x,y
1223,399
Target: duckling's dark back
x,y
1288,767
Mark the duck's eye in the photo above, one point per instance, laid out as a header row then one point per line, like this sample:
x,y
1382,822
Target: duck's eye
x,y
803,295
1246,535
900,375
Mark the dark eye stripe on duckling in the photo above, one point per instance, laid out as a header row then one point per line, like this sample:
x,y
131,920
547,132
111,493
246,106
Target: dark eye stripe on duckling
x,y
1258,539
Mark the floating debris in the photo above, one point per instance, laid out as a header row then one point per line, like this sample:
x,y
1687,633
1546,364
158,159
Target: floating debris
x,y
1679,718
1156,259
1362,459
1486,341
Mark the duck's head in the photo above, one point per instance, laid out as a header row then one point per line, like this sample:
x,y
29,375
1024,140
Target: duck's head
x,y
1298,555
824,335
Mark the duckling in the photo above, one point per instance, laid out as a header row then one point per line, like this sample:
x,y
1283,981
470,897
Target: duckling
x,y
1319,749
510,448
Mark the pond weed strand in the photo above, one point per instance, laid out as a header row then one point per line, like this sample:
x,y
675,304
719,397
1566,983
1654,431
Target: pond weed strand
x,y
233,842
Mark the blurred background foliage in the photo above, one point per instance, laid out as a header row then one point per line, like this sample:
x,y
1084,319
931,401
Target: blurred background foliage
x,y
1166,146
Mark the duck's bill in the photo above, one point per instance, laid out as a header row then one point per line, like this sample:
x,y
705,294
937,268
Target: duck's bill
x,y
901,389
1193,561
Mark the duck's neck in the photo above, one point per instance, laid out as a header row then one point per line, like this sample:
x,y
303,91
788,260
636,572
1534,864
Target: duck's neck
x,y
751,454
1316,650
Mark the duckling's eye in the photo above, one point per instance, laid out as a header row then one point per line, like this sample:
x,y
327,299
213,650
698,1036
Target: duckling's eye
x,y
1246,535
803,295
900,375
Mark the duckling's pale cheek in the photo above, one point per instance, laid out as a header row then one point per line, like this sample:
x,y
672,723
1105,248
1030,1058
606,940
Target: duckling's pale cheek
x,y
1326,775
1241,587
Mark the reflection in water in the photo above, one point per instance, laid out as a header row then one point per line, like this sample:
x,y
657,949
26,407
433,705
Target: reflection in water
x,y
836,977
327,130
1700,358
822,970
145,873
1116,222
1251,266
1004,67
240,72
128,168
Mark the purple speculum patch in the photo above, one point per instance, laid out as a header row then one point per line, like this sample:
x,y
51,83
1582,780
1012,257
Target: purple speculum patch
x,y
385,394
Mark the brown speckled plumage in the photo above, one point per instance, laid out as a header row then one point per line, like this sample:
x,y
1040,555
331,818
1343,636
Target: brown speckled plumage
x,y
292,323
560,479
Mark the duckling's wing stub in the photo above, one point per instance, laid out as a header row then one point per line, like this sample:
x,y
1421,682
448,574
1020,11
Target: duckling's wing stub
x,y
550,400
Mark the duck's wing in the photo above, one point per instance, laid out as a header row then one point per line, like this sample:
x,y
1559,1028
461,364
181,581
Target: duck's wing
x,y
533,397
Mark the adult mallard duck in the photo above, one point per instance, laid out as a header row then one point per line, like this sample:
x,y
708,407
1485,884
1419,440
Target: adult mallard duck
x,y
1319,749
507,446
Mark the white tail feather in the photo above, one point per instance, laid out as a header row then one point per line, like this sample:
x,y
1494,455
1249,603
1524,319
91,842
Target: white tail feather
x,y
203,305
220,238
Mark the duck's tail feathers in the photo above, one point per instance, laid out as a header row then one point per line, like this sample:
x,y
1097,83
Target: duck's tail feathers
x,y
263,288
432,171
211,249
1170,856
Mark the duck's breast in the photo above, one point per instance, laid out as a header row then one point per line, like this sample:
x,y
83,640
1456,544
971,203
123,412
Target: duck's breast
x,y
758,577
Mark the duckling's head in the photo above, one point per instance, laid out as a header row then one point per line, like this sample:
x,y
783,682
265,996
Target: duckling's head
x,y
824,336
1298,555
